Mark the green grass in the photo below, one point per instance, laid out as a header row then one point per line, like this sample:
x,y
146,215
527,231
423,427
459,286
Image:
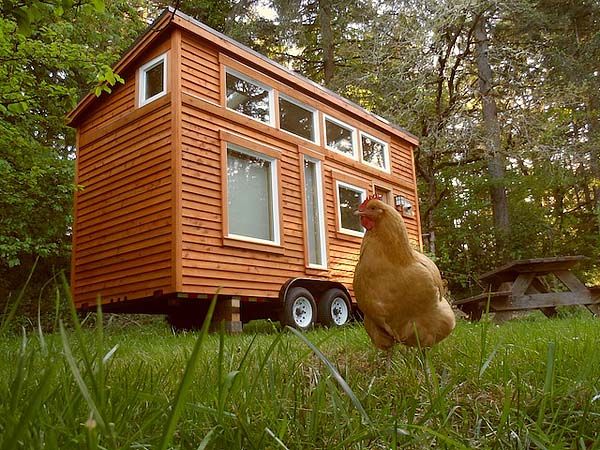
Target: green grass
x,y
532,383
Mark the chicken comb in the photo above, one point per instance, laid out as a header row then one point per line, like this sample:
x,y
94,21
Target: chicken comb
x,y
363,205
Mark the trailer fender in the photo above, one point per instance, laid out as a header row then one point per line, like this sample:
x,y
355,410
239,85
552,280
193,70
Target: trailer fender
x,y
314,285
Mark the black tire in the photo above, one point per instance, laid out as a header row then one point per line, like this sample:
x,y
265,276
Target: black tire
x,y
334,308
299,309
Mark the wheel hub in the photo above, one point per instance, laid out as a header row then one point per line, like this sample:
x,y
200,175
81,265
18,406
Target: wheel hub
x,y
303,312
339,311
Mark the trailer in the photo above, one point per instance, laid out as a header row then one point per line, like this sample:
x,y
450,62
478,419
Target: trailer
x,y
214,169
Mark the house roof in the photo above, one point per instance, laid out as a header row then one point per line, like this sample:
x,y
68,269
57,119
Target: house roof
x,y
171,16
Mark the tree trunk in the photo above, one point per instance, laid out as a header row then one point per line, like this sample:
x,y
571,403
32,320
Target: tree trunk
x,y
594,121
430,215
495,161
327,41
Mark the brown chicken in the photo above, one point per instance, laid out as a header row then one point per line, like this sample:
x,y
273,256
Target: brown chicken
x,y
399,290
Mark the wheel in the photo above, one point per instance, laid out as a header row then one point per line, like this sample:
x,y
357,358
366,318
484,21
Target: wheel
x,y
334,308
299,309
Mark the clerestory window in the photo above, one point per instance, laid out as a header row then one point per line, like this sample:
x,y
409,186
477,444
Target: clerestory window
x,y
249,97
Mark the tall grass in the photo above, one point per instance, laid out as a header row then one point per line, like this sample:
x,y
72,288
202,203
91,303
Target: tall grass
x,y
526,384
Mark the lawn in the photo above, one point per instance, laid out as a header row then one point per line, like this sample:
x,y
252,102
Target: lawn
x,y
530,383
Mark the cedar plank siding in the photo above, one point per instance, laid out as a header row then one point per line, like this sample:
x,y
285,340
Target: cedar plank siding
x,y
209,263
152,214
122,244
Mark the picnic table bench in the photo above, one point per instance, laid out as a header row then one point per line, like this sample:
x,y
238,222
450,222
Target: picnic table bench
x,y
520,285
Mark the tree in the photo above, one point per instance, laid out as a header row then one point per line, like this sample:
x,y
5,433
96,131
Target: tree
x,y
492,140
320,35
49,59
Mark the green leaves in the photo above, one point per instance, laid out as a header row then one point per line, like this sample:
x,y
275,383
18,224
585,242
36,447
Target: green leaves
x,y
48,60
31,13
105,78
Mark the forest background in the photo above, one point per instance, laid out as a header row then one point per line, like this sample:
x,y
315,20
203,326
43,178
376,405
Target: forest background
x,y
504,96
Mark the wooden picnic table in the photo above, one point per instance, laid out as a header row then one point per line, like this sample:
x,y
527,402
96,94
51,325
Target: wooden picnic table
x,y
520,285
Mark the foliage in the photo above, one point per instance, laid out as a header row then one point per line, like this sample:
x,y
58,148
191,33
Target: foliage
x,y
49,59
412,61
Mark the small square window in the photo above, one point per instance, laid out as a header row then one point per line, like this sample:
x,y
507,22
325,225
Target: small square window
x,y
248,97
349,199
374,151
384,194
297,119
340,137
153,80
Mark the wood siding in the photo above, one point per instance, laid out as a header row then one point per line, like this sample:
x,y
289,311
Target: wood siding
x,y
211,260
152,216
122,237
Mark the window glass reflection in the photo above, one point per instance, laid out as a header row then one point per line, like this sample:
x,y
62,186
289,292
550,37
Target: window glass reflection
x,y
248,98
338,137
296,119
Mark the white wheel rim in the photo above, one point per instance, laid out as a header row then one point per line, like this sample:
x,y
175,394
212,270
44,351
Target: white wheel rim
x,y
339,311
302,312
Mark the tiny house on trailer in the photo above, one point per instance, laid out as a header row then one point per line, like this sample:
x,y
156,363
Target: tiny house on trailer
x,y
214,167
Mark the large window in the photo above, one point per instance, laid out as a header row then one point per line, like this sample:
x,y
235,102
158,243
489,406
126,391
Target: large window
x,y
315,215
349,199
297,119
249,97
252,195
374,151
153,80
340,137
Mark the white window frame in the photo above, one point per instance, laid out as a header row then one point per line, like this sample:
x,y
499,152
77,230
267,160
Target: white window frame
x,y
142,79
321,212
386,152
363,196
274,195
343,125
314,112
251,80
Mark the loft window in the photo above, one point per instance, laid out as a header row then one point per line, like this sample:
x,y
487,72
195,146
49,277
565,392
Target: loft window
x,y
153,80
249,97
297,119
340,137
374,151
252,196
349,199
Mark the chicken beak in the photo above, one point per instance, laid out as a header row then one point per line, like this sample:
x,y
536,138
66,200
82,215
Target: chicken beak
x,y
358,212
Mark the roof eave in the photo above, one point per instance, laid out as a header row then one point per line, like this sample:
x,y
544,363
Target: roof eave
x,y
171,15
154,30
